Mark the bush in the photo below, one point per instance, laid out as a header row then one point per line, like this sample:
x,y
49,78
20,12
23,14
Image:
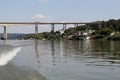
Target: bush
x,y
106,32
51,36
115,37
98,37
33,36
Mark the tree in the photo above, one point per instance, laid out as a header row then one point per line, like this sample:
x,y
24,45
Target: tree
x,y
70,31
81,28
33,36
105,32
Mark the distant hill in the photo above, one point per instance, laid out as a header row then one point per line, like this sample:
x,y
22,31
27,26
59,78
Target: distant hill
x,y
13,36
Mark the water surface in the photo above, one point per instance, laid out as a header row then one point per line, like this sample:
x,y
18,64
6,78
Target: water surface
x,y
59,60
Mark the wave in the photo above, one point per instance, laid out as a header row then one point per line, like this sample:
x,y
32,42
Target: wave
x,y
7,53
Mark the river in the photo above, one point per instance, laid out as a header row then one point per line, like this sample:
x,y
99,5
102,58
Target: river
x,y
59,60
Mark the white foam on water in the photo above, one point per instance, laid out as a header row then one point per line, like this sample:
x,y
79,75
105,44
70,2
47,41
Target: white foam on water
x,y
5,57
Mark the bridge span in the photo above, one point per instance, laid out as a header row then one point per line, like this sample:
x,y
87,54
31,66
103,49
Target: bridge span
x,y
36,25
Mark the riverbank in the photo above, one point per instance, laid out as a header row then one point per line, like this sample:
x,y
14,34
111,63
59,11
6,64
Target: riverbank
x,y
108,30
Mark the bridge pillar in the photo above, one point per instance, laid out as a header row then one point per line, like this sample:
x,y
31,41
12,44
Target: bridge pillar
x,y
36,28
76,25
100,25
64,26
52,27
5,33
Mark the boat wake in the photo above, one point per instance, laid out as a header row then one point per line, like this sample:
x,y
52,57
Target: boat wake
x,y
7,53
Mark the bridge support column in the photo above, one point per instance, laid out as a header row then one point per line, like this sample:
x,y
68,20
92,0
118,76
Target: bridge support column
x,y
100,25
76,25
64,26
36,28
52,27
5,33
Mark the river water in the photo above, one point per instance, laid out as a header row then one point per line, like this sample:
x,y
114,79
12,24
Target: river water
x,y
59,60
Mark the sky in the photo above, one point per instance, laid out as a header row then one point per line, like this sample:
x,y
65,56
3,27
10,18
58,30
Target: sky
x,y
55,11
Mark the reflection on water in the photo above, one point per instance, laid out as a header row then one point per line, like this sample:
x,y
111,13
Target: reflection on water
x,y
62,60
103,53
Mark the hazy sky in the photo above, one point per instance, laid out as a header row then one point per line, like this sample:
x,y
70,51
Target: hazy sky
x,y
56,10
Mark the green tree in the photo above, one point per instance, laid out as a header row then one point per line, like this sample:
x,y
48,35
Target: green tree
x,y
33,36
105,32
81,28
70,31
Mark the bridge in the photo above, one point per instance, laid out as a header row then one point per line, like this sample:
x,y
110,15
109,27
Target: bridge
x,y
36,25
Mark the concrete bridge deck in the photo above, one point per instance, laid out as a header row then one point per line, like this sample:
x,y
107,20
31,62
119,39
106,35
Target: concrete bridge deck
x,y
1,23
7,24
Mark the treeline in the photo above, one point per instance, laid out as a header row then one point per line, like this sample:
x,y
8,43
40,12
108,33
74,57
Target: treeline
x,y
112,24
101,29
44,36
106,29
